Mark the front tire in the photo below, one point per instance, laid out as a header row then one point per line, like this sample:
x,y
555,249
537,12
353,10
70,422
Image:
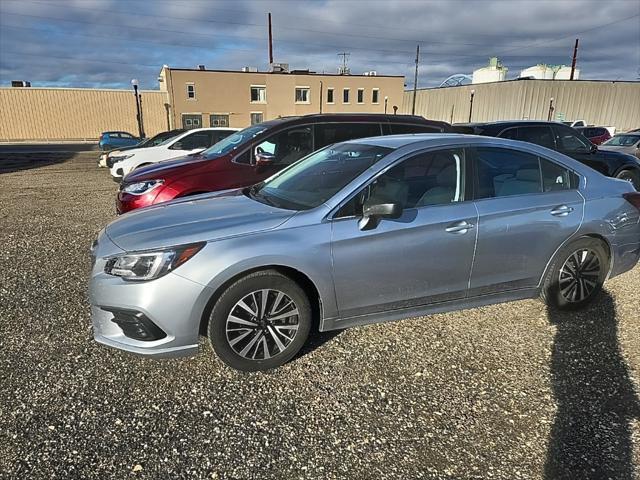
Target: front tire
x,y
577,274
630,176
260,322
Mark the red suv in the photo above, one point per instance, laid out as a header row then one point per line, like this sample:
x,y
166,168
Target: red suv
x,y
596,135
257,152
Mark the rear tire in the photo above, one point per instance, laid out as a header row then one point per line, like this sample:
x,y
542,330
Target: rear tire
x,y
630,176
576,275
260,322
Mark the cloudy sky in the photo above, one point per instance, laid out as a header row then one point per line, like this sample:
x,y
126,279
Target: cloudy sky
x,y
106,43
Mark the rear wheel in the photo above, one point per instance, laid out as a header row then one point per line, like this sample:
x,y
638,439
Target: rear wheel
x,y
577,274
630,176
260,322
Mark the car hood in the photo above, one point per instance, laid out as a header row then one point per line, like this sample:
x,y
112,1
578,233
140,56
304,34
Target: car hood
x,y
618,154
205,217
165,167
617,148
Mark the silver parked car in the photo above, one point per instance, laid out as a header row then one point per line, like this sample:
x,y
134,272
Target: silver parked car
x,y
363,231
624,142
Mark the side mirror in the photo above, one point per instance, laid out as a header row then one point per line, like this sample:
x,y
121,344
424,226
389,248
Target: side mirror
x,y
593,148
264,158
177,146
373,213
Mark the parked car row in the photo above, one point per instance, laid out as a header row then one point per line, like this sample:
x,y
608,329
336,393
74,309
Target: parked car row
x,y
332,221
106,158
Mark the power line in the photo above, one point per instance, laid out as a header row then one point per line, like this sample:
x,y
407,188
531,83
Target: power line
x,y
155,30
231,22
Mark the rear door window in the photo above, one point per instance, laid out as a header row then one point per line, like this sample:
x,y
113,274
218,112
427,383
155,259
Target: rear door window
x,y
555,177
540,135
328,133
502,172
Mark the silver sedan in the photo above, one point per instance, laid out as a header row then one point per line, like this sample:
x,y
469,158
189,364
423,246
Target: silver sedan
x,y
364,231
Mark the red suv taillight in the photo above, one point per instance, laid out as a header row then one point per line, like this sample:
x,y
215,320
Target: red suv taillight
x,y
633,199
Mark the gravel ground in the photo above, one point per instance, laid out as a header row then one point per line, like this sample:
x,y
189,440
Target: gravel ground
x,y
507,392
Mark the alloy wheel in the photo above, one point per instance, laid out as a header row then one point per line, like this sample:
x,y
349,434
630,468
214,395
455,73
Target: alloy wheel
x,y
579,275
262,324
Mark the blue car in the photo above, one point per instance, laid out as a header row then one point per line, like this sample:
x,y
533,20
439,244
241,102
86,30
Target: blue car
x,y
111,140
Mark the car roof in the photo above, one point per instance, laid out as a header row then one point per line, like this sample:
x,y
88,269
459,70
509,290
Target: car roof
x,y
403,140
506,123
353,117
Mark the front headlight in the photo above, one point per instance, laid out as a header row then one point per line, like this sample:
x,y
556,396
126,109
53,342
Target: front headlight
x,y
140,188
141,266
119,158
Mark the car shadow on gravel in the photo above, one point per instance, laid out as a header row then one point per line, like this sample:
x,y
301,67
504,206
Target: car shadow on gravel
x,y
15,162
591,435
316,340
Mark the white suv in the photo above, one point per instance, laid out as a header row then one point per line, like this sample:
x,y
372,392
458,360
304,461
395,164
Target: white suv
x,y
189,142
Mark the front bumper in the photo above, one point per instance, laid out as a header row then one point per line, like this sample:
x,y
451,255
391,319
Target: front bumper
x,y
174,304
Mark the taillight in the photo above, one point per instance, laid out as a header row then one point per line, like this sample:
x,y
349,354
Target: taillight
x,y
633,198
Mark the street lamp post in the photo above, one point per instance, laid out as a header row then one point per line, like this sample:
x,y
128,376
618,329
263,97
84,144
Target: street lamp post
x,y
386,101
473,93
134,82
551,109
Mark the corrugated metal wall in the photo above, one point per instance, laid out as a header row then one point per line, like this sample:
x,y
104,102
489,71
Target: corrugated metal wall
x,y
44,114
601,103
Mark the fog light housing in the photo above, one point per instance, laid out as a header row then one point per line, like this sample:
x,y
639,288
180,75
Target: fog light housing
x,y
135,325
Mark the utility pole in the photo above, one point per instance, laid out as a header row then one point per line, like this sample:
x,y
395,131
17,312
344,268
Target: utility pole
x,y
415,81
344,56
270,42
575,58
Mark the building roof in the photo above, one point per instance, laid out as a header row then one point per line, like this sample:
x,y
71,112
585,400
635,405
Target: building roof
x,y
295,72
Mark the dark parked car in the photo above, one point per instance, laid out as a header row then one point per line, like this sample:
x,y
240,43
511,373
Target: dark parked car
x,y
257,152
596,135
561,138
111,140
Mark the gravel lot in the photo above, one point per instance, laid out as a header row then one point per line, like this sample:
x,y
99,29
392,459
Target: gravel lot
x,y
506,392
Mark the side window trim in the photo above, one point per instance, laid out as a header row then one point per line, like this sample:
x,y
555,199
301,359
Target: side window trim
x,y
331,215
472,161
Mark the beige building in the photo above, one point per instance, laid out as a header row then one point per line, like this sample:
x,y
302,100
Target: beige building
x,y
203,98
604,103
75,114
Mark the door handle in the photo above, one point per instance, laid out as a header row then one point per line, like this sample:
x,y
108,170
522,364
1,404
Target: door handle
x,y
561,211
459,227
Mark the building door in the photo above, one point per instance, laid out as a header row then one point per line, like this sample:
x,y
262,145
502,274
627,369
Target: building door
x,y
217,120
191,121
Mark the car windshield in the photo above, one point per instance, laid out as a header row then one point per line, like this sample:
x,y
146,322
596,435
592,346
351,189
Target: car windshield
x,y
232,141
623,140
317,177
161,138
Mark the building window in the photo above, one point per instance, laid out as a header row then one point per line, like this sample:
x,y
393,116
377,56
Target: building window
x,y
375,95
345,95
256,117
361,95
258,94
191,91
302,95
329,95
218,120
